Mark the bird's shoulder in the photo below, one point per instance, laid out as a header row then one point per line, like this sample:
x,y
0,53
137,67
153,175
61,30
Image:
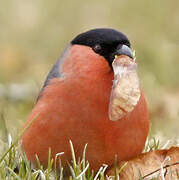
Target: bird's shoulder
x,y
55,71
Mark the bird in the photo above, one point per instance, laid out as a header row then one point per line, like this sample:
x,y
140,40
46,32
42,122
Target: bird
x,y
91,96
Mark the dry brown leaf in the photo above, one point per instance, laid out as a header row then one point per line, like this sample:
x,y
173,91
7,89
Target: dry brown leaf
x,y
160,164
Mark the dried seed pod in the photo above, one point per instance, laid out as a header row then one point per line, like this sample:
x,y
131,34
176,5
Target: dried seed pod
x,y
125,92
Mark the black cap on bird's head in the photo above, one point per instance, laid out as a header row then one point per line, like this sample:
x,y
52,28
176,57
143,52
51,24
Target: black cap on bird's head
x,y
105,42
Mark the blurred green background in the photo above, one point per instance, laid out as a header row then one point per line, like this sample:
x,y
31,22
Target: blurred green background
x,y
33,34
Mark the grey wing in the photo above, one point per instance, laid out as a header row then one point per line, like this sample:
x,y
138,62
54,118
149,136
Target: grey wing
x,y
54,72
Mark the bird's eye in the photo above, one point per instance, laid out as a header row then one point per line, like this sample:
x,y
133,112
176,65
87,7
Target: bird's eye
x,y
97,48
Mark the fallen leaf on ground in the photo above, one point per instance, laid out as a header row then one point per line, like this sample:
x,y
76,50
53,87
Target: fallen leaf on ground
x,y
160,164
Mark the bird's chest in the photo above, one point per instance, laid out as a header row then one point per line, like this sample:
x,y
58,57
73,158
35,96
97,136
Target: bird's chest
x,y
84,98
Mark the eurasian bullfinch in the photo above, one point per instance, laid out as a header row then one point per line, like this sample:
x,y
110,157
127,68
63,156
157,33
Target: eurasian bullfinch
x,y
91,96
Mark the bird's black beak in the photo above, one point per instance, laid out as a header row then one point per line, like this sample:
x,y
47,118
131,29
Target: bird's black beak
x,y
124,50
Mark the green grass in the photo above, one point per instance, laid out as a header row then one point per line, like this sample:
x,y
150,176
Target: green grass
x,y
14,165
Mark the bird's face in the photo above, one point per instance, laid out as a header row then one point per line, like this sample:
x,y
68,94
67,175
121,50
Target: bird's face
x,y
105,42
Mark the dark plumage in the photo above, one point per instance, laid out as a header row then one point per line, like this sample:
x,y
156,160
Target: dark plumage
x,y
106,40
